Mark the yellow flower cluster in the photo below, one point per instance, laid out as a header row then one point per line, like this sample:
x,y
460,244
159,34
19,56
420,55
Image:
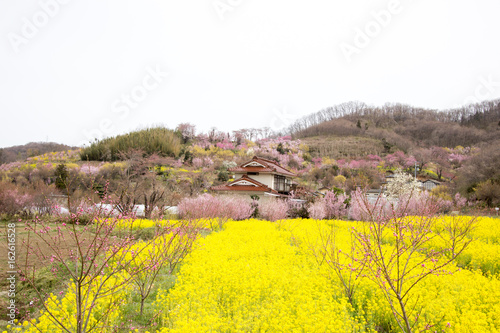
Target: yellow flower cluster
x,y
250,278
458,301
213,151
144,255
62,312
484,251
258,276
136,224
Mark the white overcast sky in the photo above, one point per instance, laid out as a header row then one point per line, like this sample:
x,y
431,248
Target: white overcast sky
x,y
74,70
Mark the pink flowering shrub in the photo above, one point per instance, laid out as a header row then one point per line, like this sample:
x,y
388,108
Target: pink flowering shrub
x,y
177,163
284,159
416,204
197,162
285,151
330,207
203,141
225,145
9,166
317,210
211,206
460,202
354,164
317,161
273,209
457,159
396,160
410,161
90,169
12,200
207,162
372,157
335,205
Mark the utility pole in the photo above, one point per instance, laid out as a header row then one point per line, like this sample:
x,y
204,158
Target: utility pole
x,y
416,168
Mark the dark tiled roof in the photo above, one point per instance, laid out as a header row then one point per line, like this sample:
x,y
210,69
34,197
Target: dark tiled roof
x,y
235,186
266,166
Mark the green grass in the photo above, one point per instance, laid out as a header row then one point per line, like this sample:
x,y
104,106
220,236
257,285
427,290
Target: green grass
x,y
149,320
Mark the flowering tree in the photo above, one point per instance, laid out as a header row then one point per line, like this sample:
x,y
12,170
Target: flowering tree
x,y
409,259
273,209
331,206
317,210
91,255
362,209
346,265
441,160
216,208
197,162
335,204
148,258
401,185
187,131
12,200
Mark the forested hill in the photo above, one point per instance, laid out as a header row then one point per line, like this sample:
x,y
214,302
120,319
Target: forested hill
x,y
403,126
19,153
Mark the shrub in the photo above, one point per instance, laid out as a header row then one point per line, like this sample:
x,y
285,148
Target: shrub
x,y
317,210
298,209
12,200
61,175
197,162
333,205
414,203
273,209
210,206
161,141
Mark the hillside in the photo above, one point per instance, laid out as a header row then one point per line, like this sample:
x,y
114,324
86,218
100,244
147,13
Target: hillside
x,y
157,140
20,153
357,147
396,127
337,147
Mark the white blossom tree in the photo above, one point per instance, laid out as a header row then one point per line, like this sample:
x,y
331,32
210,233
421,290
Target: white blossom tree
x,y
402,185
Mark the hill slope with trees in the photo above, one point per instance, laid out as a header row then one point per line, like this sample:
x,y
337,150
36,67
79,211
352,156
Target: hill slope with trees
x,y
399,127
22,152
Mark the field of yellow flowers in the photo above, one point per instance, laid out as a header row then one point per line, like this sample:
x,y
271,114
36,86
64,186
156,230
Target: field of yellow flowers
x,y
260,276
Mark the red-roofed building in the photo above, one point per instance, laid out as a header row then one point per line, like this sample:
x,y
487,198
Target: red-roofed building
x,y
257,177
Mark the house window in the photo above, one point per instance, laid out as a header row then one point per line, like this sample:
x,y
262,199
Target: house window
x,y
281,184
252,173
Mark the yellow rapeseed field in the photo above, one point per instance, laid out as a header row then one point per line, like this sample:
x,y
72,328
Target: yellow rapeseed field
x,y
250,278
260,276
463,300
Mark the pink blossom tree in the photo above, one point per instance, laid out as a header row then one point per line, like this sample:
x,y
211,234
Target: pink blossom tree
x,y
317,210
84,247
409,260
331,206
217,208
273,209
150,258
